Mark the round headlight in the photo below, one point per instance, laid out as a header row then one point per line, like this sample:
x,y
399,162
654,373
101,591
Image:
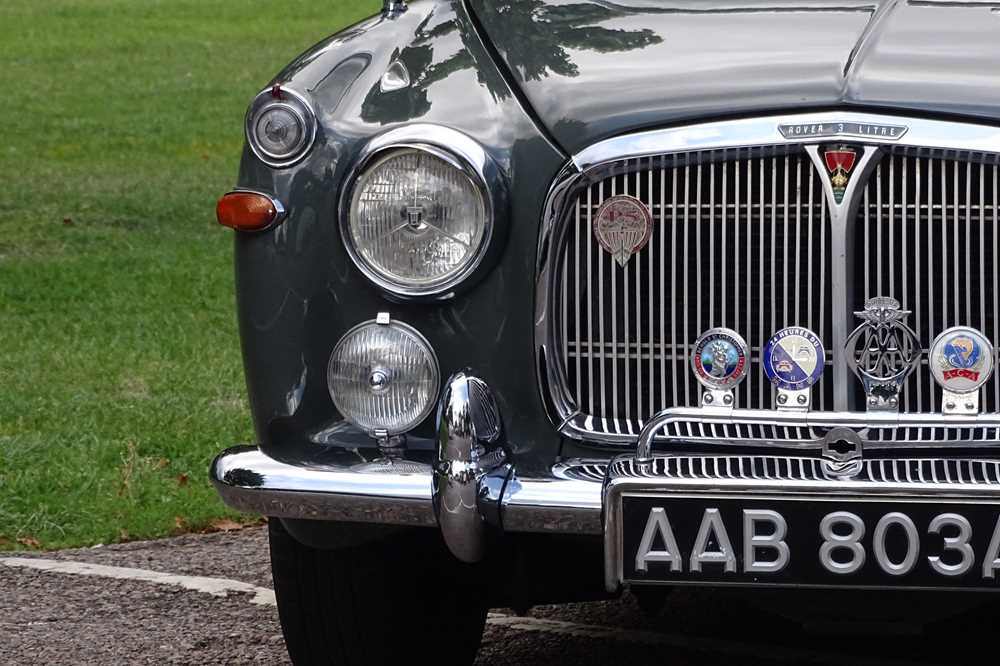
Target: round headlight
x,y
419,221
280,127
383,377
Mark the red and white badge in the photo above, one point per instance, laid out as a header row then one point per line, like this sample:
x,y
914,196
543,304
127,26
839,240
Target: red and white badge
x,y
623,226
961,359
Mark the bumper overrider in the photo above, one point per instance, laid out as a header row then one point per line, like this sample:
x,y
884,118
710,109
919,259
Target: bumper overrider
x,y
469,486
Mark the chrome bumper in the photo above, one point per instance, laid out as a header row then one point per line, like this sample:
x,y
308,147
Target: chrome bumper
x,y
399,492
467,484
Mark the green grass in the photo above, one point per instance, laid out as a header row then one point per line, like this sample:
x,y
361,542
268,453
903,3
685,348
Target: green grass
x,y
120,371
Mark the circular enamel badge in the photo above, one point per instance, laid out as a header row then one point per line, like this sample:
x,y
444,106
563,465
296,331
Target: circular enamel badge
x,y
961,359
623,226
793,358
720,359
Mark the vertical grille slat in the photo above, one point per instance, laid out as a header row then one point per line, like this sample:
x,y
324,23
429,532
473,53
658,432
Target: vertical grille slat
x,y
996,253
741,238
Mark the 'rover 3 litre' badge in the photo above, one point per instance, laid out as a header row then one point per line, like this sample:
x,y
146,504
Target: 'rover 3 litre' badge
x,y
623,226
720,359
961,359
793,359
840,162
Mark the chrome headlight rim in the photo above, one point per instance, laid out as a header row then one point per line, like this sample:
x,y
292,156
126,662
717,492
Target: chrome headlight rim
x,y
298,106
461,152
426,347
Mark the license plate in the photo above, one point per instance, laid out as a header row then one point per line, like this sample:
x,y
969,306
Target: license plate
x,y
809,542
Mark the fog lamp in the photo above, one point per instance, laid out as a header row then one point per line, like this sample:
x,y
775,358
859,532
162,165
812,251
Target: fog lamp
x,y
383,377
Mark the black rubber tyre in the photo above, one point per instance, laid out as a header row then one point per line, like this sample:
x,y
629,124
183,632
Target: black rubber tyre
x,y
399,600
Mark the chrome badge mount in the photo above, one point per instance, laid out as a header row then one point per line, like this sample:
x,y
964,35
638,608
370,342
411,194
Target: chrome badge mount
x,y
882,352
961,361
720,362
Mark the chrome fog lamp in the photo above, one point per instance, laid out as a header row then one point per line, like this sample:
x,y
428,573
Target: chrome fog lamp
x,y
280,127
383,377
419,221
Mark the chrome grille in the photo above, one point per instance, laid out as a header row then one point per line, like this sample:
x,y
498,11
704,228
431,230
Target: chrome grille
x,y
927,234
740,239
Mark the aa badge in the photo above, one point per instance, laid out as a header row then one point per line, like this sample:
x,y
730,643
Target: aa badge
x,y
623,226
882,351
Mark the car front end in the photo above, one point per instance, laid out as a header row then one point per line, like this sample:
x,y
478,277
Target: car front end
x,y
608,297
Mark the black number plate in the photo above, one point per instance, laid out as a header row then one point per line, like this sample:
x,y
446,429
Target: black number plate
x,y
815,542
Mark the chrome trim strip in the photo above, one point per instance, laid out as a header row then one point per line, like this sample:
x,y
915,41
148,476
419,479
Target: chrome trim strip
x,y
807,420
764,131
597,162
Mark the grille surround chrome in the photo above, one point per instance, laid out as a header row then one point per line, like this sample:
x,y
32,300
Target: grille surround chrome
x,y
958,140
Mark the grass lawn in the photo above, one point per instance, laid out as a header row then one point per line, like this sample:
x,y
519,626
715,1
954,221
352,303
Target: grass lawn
x,y
120,370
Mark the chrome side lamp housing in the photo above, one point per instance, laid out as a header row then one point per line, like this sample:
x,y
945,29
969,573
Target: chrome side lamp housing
x,y
280,127
422,211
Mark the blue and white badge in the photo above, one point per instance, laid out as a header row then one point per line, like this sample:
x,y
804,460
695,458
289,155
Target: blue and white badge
x,y
793,359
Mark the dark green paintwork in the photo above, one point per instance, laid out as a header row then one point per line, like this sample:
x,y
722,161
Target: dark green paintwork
x,y
594,68
589,69
298,291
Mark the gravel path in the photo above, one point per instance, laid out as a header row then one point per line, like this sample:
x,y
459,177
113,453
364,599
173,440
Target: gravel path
x,y
55,618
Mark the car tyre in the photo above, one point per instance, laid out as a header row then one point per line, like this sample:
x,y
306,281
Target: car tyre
x,y
399,600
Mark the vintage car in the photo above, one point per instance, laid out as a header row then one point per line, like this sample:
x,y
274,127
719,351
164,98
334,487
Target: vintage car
x,y
542,300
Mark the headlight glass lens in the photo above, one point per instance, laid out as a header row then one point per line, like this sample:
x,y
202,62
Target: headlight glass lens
x,y
383,377
418,223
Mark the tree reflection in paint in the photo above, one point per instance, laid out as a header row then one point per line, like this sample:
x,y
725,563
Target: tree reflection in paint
x,y
537,34
538,38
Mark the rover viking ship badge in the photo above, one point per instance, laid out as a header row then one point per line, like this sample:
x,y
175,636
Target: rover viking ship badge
x,y
623,226
883,351
840,163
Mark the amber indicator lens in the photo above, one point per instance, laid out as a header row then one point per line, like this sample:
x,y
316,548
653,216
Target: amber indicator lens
x,y
247,211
